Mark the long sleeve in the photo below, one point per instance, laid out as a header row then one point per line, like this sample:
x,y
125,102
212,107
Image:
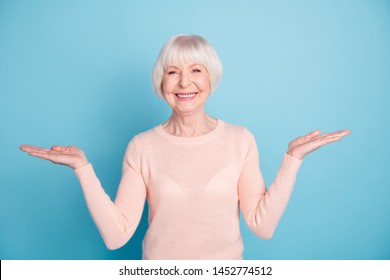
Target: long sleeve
x,y
118,220
262,208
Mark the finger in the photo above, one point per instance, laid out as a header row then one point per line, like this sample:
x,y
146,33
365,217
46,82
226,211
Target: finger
x,y
344,132
43,155
340,133
328,140
331,140
28,148
48,155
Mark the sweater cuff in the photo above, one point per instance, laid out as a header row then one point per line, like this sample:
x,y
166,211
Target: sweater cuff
x,y
87,176
290,166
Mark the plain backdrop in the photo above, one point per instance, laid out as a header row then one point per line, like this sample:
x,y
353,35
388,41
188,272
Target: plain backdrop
x,y
78,73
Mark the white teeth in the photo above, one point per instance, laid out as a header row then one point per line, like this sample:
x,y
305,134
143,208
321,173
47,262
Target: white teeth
x,y
186,95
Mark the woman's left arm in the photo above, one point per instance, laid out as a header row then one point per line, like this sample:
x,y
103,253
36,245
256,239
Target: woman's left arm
x,y
262,208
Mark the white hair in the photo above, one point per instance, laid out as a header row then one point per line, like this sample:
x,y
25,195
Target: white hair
x,y
182,49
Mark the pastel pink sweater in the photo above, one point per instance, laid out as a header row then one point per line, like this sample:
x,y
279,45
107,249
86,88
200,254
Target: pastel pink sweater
x,y
195,188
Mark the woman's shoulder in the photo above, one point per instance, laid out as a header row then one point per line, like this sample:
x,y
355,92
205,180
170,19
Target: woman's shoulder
x,y
145,136
237,129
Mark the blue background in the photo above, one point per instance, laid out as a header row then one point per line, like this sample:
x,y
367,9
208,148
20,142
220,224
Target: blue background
x,y
78,73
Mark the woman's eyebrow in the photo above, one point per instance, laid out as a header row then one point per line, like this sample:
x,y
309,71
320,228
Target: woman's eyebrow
x,y
170,68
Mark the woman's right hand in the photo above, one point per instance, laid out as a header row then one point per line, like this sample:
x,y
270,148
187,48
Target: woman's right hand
x,y
71,156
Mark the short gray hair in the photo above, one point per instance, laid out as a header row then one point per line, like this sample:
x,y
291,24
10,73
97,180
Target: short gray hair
x,y
181,49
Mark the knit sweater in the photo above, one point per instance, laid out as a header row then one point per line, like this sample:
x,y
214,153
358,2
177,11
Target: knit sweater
x,y
195,188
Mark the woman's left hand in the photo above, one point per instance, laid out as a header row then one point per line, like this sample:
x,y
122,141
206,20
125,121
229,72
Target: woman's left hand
x,y
304,145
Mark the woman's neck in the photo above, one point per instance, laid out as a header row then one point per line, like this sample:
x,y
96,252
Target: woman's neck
x,y
189,125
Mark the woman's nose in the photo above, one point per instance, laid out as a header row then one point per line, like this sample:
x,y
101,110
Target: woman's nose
x,y
184,80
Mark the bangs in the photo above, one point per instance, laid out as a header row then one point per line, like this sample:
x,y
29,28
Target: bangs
x,y
185,51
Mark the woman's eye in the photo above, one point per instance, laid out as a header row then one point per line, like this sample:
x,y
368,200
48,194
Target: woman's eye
x,y
171,72
196,70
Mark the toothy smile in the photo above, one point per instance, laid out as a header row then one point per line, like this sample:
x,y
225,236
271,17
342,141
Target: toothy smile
x,y
186,95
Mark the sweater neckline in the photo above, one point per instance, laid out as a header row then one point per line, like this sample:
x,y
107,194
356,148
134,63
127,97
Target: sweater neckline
x,y
192,140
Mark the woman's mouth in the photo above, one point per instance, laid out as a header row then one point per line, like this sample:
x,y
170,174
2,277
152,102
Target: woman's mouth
x,y
186,96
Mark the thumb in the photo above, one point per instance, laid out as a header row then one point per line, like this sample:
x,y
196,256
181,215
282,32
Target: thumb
x,y
58,148
314,133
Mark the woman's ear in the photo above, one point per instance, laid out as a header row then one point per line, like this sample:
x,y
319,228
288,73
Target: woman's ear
x,y
162,92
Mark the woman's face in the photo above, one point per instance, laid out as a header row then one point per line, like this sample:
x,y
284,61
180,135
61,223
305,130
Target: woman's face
x,y
186,87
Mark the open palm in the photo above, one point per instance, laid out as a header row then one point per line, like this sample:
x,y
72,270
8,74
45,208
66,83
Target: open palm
x,y
71,156
303,145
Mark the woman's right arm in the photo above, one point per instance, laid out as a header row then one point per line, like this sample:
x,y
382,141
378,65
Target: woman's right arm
x,y
71,156
116,221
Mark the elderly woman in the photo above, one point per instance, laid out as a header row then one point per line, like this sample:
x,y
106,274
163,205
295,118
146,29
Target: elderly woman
x,y
195,171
